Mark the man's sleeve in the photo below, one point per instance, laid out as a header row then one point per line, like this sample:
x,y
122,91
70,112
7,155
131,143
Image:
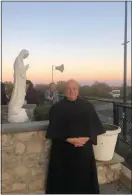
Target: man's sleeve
x,y
95,125
56,128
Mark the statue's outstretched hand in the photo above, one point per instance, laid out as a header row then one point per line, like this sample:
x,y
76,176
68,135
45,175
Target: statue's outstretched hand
x,y
27,66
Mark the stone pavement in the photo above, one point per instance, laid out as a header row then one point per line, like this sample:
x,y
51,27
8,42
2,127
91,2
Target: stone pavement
x,y
113,188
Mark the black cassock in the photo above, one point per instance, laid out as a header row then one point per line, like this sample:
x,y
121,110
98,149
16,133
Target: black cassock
x,y
72,170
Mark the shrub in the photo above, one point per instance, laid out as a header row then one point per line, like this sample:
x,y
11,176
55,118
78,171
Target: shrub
x,y
41,112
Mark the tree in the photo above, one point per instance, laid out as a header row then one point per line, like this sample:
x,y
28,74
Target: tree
x,y
85,90
100,89
8,88
61,86
41,87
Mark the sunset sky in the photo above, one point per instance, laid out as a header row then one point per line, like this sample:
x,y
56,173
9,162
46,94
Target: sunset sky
x,y
84,36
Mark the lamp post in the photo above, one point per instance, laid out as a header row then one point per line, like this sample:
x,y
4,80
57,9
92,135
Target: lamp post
x,y
125,57
125,73
131,54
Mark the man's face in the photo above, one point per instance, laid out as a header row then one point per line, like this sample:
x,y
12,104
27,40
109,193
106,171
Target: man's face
x,y
72,91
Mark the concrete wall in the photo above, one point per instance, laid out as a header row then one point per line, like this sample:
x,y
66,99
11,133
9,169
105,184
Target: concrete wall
x,y
25,154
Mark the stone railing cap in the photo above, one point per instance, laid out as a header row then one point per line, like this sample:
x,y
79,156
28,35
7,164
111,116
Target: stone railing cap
x,y
24,127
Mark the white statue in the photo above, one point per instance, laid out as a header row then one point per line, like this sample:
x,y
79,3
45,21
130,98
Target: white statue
x,y
17,114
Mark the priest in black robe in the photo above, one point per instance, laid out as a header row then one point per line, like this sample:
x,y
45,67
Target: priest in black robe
x,y
73,129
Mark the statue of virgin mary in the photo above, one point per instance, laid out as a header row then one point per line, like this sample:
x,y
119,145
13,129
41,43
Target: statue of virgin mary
x,y
17,114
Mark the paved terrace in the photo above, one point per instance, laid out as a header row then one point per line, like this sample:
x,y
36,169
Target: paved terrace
x,y
114,188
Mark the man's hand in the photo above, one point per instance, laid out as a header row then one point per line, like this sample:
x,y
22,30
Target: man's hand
x,y
72,140
81,141
78,142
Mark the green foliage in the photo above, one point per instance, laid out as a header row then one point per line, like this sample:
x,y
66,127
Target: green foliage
x,y
41,112
96,90
100,89
85,91
60,86
8,87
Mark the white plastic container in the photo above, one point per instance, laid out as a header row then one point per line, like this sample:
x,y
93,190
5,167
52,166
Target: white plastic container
x,y
104,150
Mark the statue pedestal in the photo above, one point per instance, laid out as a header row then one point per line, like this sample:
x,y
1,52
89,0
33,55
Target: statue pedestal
x,y
21,117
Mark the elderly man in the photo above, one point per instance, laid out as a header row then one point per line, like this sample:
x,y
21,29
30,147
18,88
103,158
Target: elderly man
x,y
73,128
